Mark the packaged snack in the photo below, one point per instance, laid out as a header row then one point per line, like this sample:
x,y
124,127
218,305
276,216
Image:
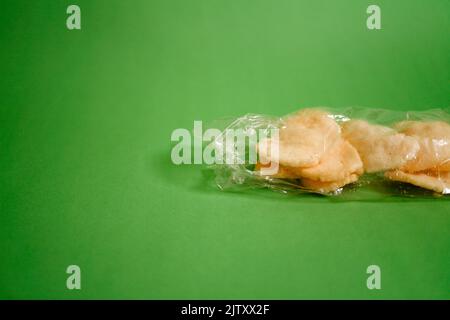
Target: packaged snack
x,y
332,151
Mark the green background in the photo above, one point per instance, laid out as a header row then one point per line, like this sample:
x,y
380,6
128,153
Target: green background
x,y
85,170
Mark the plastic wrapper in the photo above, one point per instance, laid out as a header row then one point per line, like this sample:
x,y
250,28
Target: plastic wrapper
x,y
352,151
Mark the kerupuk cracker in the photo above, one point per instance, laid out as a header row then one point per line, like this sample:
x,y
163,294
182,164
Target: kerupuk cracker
x,y
324,155
311,149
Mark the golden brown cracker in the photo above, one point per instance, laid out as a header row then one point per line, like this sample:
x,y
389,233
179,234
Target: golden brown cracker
x,y
381,148
303,139
327,187
438,182
434,141
337,164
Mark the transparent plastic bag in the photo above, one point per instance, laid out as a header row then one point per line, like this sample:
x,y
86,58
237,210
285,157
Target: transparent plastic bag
x,y
402,153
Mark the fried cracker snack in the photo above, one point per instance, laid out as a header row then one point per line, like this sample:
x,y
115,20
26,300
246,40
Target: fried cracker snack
x,y
329,187
322,151
303,139
438,182
381,148
311,149
434,141
341,161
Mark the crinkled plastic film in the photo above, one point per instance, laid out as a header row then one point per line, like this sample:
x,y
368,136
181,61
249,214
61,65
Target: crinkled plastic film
x,y
399,126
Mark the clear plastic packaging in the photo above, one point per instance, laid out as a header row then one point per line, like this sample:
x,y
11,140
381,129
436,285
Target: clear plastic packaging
x,y
352,151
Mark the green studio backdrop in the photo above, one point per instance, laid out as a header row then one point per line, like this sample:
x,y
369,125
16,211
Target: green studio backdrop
x,y
85,171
